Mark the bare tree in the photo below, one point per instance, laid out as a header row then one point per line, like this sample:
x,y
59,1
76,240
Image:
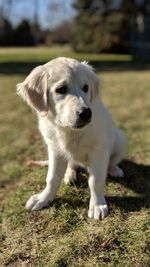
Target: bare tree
x,y
6,7
56,12
36,11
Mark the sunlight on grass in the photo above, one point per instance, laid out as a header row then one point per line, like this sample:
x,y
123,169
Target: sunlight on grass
x,y
47,53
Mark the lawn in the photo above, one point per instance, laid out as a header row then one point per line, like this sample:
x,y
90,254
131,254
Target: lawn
x,y
63,236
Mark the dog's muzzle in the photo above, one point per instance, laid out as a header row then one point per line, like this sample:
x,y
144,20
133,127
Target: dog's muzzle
x,y
84,117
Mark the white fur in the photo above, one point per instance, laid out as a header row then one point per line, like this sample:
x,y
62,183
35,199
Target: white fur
x,y
98,146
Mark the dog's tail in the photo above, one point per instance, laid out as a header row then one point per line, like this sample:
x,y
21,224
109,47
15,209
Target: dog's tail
x,y
41,163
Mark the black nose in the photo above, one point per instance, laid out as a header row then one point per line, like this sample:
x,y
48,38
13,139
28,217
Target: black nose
x,y
85,114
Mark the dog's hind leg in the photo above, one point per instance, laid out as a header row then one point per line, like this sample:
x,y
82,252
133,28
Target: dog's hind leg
x,y
71,174
118,154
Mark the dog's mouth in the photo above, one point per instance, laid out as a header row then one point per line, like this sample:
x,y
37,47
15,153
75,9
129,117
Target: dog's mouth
x,y
81,124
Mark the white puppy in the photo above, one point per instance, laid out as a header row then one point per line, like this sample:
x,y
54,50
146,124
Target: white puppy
x,y
76,127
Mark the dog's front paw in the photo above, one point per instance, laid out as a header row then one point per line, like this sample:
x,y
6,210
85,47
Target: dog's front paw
x,y
38,202
98,212
98,208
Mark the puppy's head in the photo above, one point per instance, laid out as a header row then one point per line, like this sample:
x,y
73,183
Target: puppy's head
x,y
65,88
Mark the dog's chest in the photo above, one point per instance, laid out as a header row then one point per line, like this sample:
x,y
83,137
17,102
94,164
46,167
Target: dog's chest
x,y
74,145
77,147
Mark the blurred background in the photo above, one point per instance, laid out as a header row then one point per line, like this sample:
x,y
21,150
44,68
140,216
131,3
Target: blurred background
x,y
95,26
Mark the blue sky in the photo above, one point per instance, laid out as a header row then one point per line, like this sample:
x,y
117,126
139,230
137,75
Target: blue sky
x,y
48,18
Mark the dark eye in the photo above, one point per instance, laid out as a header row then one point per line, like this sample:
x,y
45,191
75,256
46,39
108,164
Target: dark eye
x,y
62,90
85,88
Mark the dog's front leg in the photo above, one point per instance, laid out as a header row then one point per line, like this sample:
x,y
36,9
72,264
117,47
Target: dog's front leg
x,y
97,175
56,170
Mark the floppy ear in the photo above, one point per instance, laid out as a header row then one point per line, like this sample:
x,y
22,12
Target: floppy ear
x,y
95,86
93,79
34,89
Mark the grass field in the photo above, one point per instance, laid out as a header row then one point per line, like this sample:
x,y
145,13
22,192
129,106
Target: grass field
x,y
63,236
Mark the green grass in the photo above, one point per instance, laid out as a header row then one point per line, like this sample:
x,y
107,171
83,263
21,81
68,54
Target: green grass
x,y
22,60
63,236
47,53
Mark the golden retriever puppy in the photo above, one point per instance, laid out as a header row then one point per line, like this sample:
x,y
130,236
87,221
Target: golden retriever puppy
x,y
76,127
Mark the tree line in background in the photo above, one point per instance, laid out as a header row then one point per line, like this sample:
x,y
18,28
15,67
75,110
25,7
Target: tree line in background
x,y
27,34
99,26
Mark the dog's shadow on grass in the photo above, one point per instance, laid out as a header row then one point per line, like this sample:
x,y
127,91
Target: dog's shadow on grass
x,y
24,67
136,180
